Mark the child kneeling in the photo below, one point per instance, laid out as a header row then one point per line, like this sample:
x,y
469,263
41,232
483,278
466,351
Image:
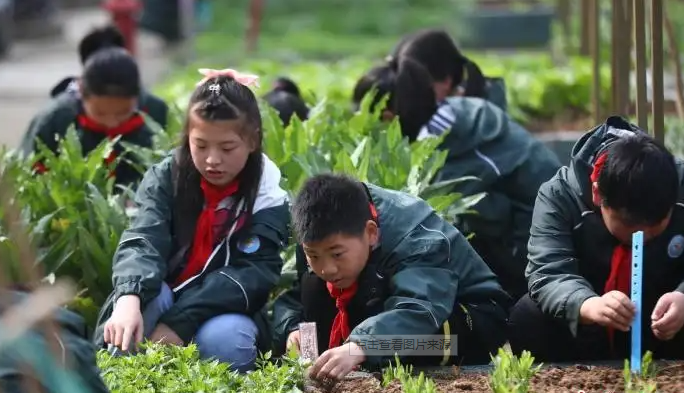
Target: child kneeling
x,y
200,259
374,262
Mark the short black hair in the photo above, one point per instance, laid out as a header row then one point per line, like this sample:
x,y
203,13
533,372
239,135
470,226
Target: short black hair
x,y
436,50
99,38
286,99
111,72
639,180
330,204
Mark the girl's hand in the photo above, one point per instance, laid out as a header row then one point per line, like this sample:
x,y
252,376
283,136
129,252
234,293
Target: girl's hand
x,y
125,324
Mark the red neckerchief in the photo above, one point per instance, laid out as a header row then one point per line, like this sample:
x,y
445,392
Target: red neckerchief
x,y
204,240
620,262
340,328
87,124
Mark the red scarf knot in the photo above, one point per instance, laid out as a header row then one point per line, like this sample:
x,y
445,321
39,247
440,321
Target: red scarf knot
x,y
621,260
203,243
340,328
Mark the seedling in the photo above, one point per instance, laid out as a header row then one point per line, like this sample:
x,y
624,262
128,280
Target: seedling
x,y
512,374
409,382
643,381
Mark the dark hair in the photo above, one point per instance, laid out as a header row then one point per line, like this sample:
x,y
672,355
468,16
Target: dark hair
x,y
233,101
111,72
287,100
330,204
408,87
639,180
100,38
437,52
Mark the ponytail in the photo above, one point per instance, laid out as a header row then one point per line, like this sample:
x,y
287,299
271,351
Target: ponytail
x,y
414,97
409,86
475,82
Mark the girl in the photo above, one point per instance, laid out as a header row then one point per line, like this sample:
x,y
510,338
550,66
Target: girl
x,y
200,259
452,73
106,107
106,37
287,100
483,142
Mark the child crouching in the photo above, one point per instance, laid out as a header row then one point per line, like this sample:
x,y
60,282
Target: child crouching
x,y
376,263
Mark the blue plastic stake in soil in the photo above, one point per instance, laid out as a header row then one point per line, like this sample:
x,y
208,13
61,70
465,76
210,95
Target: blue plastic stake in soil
x,y
637,262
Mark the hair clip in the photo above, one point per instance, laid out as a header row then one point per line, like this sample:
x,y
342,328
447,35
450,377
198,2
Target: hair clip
x,y
215,88
244,79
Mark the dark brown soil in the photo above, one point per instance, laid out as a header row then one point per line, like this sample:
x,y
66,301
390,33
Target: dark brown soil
x,y
574,379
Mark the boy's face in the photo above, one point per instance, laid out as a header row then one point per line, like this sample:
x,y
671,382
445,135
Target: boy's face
x,y
619,229
110,111
339,259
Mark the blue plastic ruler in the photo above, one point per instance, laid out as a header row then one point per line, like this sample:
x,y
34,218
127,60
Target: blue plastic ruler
x,y
637,270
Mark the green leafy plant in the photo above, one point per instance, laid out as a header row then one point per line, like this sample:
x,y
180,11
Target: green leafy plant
x,y
410,383
176,369
643,382
162,368
512,374
72,213
286,375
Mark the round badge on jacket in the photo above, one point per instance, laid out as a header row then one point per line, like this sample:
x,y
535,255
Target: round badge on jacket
x,y
249,245
676,247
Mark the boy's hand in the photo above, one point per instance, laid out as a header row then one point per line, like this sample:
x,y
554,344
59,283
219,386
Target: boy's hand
x,y
336,363
668,315
164,335
614,309
293,340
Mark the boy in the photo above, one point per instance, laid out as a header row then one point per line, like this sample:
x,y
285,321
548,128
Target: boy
x,y
374,262
620,181
100,38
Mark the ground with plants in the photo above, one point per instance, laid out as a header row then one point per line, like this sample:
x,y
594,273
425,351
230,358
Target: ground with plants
x,y
74,217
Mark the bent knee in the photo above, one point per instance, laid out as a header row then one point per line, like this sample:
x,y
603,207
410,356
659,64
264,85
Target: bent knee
x,y
229,338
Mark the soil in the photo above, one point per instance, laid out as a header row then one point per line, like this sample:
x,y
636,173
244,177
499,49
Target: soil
x,y
587,379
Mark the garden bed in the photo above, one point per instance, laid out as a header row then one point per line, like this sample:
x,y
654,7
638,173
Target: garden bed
x,y
550,379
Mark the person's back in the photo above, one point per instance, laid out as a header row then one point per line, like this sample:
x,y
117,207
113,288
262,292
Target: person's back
x,y
510,164
392,267
620,181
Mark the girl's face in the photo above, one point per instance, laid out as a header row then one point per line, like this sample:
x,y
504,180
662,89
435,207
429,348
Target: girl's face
x,y
443,89
218,150
110,112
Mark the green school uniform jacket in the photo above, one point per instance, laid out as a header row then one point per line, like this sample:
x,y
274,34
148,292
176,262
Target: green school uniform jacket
x,y
62,113
154,249
149,103
496,92
76,349
570,248
510,164
429,265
